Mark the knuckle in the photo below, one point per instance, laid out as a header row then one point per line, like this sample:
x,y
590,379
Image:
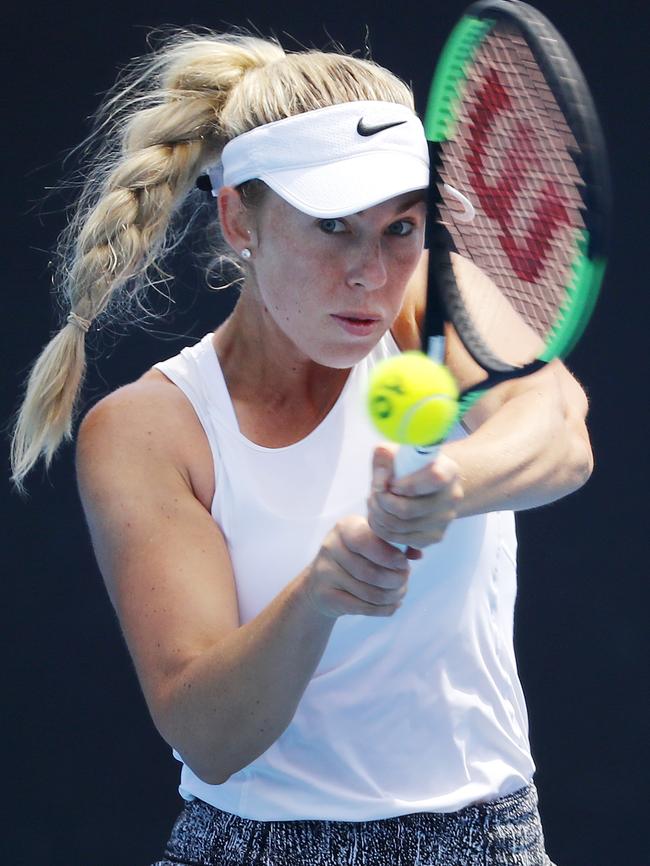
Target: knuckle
x,y
327,548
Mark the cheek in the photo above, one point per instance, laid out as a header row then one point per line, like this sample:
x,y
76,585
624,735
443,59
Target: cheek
x,y
285,289
297,276
402,266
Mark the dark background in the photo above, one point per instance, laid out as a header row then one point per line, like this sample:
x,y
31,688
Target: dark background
x,y
88,780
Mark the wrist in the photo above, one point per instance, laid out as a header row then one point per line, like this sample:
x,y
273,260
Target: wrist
x,y
302,597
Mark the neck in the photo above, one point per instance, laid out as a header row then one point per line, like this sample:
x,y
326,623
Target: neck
x,y
259,361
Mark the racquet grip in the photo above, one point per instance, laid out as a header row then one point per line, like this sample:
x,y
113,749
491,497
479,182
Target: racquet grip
x,y
408,460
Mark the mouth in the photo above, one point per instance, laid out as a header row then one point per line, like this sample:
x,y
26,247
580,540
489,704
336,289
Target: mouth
x,y
357,323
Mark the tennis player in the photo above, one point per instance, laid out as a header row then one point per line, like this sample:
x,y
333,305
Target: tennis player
x,y
330,698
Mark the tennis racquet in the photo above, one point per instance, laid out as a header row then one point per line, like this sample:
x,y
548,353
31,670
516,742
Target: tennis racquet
x,y
520,189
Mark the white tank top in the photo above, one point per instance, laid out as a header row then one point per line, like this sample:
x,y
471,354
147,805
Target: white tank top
x,y
419,712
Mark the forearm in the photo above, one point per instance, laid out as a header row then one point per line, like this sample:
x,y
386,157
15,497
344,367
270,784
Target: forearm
x,y
232,702
527,454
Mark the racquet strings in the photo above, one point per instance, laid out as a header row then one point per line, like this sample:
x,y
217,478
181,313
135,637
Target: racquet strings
x,y
508,150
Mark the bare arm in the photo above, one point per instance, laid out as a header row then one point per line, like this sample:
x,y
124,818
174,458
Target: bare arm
x,y
531,449
528,446
218,692
529,443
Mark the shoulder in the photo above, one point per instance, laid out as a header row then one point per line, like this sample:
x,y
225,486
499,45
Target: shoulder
x,y
150,422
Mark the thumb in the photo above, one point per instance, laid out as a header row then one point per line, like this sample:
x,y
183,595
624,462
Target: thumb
x,y
382,467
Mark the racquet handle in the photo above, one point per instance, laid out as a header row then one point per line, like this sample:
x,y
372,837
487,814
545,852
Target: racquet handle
x,y
408,460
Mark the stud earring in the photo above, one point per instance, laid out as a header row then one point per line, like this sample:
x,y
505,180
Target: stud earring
x,y
245,253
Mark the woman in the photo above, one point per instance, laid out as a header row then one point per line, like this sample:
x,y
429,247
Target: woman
x,y
331,699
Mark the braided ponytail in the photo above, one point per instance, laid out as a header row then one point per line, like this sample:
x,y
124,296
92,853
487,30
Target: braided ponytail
x,y
165,122
120,228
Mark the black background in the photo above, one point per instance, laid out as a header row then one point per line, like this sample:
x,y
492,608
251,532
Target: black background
x,y
88,780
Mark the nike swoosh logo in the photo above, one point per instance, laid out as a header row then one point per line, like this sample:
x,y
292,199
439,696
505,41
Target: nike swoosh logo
x,y
365,129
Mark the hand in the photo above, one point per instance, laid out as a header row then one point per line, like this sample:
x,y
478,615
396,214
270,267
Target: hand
x,y
415,510
355,572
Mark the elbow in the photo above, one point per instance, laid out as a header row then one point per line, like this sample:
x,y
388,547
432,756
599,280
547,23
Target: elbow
x,y
202,758
582,468
206,772
210,778
579,463
575,410
198,746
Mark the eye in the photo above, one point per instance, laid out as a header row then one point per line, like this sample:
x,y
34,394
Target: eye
x,y
401,228
331,226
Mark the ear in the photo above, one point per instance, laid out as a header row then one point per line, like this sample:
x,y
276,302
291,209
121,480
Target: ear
x,y
235,220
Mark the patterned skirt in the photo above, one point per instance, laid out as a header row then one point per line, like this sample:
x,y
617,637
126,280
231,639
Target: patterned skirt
x,y
504,832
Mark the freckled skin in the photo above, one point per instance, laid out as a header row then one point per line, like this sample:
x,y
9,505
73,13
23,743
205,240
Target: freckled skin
x,y
304,269
284,357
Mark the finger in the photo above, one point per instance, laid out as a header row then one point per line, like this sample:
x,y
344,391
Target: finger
x,y
419,534
353,605
361,540
432,535
383,459
432,478
406,507
366,580
383,524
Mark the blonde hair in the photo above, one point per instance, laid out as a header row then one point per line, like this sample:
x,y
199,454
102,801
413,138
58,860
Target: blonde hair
x,y
167,119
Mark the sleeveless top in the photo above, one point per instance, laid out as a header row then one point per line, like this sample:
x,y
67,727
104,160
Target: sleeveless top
x,y
419,712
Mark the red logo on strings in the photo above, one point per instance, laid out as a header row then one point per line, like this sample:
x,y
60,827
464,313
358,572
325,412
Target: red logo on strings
x,y
527,257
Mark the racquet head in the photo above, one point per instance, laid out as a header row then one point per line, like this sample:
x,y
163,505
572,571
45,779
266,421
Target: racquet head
x,y
519,189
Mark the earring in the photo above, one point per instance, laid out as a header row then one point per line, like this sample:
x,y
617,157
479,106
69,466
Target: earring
x,y
245,253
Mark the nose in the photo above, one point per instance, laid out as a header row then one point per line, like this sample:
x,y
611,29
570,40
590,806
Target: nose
x,y
367,268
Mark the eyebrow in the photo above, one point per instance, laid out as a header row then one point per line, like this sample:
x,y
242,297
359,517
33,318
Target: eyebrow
x,y
416,198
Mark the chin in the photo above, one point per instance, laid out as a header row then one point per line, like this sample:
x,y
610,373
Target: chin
x,y
343,357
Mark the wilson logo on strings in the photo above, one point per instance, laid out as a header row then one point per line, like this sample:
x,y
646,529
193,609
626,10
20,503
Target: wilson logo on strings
x,y
499,199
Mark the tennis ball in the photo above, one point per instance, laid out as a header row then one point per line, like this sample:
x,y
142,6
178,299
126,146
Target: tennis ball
x,y
412,400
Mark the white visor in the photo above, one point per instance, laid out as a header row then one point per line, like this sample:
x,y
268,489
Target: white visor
x,y
333,161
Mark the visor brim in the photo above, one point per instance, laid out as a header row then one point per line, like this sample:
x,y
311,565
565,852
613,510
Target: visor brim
x,y
341,188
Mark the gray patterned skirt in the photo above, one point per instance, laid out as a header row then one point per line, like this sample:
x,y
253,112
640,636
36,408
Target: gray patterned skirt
x,y
504,832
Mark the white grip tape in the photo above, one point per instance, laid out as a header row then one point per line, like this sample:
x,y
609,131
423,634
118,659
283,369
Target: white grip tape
x,y
409,459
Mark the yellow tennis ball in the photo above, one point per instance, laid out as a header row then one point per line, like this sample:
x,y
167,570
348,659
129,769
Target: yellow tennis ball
x,y
412,400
